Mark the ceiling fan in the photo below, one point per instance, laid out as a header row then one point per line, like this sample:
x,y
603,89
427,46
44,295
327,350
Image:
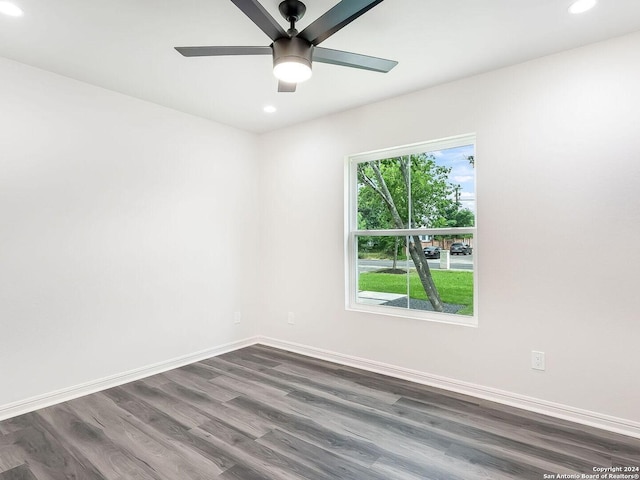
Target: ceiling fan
x,y
293,51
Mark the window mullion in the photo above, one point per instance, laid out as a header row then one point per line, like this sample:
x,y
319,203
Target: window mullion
x,y
416,231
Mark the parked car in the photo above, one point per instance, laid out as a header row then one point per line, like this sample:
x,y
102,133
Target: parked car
x,y
432,252
458,248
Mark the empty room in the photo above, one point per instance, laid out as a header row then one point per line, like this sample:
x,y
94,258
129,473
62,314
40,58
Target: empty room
x,y
357,239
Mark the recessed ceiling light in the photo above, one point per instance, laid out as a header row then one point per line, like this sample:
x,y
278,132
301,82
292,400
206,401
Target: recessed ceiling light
x,y
270,109
581,6
10,9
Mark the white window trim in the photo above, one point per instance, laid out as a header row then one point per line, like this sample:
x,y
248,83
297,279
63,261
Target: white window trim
x,y
351,231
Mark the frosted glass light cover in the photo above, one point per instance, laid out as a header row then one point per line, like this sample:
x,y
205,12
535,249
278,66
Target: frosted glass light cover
x,y
292,72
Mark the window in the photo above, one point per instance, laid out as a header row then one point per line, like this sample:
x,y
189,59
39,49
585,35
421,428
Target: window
x,y
411,231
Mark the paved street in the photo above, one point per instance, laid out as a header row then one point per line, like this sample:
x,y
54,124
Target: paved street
x,y
458,262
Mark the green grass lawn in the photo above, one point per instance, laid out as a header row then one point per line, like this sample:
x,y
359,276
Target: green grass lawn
x,y
454,287
380,256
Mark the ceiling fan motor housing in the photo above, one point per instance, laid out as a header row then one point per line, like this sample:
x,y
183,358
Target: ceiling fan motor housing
x,y
294,49
292,10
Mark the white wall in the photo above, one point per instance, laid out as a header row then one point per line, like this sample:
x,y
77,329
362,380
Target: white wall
x,y
122,225
559,217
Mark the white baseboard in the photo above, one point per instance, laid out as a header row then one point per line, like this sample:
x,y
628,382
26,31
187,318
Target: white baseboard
x,y
69,393
565,412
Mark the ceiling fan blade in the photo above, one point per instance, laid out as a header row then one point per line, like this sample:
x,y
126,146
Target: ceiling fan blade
x,y
286,87
354,60
337,17
219,51
259,16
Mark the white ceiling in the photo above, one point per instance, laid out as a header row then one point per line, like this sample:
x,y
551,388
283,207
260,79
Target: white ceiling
x,y
127,46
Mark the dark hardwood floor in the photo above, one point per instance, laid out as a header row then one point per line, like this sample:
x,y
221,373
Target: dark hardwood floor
x,y
263,413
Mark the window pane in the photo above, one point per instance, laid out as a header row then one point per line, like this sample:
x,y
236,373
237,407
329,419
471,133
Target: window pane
x,y
391,273
443,188
382,194
439,187
451,265
382,271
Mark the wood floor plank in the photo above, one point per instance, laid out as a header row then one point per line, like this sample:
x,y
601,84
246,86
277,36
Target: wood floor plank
x,y
285,356
401,387
512,430
181,412
48,456
251,454
198,369
250,425
362,451
110,459
242,378
583,442
241,472
325,461
320,383
437,433
213,391
168,426
393,472
404,467
10,455
21,472
301,376
263,413
198,383
399,448
168,460
250,359
7,427
248,387
572,456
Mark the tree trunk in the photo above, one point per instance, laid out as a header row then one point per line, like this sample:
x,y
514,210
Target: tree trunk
x,y
424,272
415,246
417,254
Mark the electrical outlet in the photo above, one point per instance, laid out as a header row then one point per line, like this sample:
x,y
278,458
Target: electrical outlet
x,y
537,360
291,318
237,316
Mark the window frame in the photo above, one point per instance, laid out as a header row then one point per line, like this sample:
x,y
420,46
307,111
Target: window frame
x,y
351,232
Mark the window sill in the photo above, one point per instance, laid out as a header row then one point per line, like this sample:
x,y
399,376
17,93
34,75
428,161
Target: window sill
x,y
397,312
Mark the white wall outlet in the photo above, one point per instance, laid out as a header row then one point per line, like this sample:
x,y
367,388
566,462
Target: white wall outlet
x,y
291,318
537,360
237,316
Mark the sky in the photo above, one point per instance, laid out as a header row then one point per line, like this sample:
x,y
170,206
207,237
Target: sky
x,y
462,172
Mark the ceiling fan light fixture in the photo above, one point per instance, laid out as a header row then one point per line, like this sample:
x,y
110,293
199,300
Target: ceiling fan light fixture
x,y
292,59
293,51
